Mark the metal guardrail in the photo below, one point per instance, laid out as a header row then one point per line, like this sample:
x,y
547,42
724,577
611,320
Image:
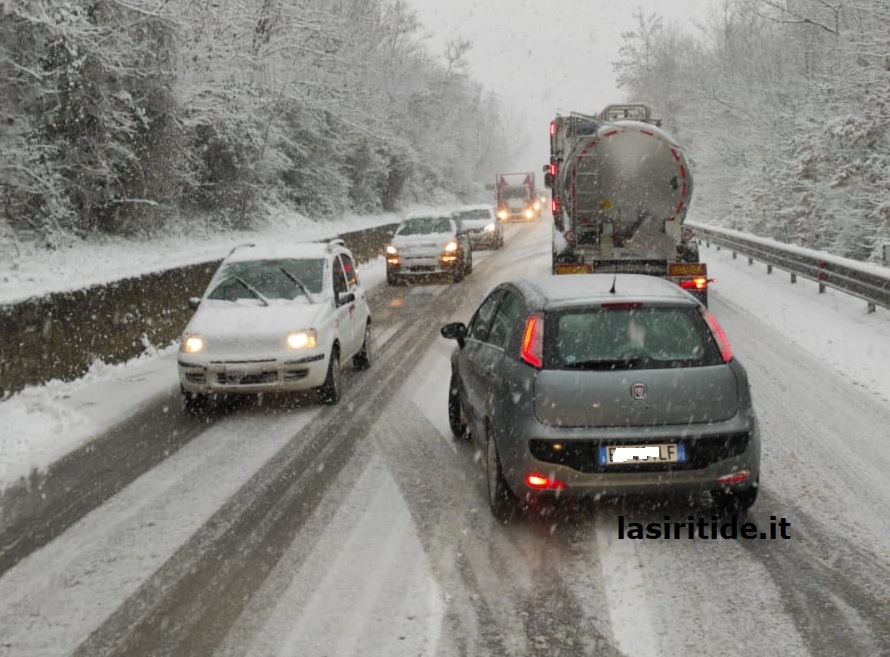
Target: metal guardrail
x,y
858,279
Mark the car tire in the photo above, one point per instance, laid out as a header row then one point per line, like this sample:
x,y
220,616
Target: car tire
x,y
456,418
196,403
458,274
362,360
392,278
469,263
329,391
501,499
735,501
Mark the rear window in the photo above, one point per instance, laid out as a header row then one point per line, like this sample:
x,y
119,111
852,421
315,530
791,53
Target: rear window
x,y
628,338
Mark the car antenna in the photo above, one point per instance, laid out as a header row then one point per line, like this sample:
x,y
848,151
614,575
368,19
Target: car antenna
x,y
614,279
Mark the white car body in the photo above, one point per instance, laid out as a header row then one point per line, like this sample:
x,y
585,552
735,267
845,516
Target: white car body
x,y
482,225
245,341
446,251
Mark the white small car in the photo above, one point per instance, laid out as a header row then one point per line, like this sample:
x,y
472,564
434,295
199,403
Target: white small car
x,y
276,318
482,224
429,245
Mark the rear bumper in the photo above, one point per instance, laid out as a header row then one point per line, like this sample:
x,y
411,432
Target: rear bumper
x,y
712,452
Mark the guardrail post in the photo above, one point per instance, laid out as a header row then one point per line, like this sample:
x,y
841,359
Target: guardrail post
x,y
769,269
870,307
793,277
823,276
750,261
734,255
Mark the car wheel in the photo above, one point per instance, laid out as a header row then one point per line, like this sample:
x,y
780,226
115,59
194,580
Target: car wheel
x,y
392,278
458,274
500,498
500,242
735,501
469,263
456,417
329,392
196,403
362,360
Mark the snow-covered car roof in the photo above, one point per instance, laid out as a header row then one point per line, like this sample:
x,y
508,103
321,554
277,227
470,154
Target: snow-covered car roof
x,y
596,288
277,251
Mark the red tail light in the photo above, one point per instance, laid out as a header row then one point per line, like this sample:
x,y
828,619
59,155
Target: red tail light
x,y
540,482
554,205
719,335
552,128
699,283
553,169
533,341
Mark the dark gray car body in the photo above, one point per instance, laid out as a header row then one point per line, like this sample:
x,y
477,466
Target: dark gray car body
x,y
555,422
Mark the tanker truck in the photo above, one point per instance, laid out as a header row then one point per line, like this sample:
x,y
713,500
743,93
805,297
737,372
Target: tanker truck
x,y
620,190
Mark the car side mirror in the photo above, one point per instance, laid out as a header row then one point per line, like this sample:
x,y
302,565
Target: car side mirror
x,y
194,302
455,331
345,297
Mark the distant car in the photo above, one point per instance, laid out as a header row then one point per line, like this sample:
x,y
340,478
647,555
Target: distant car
x,y
429,244
483,226
599,384
276,318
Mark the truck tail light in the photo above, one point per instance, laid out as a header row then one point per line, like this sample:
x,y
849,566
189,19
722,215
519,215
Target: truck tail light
x,y
554,205
698,283
552,128
532,351
719,335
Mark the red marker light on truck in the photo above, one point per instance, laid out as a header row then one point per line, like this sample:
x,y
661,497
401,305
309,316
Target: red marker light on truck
x,y
552,128
532,351
699,283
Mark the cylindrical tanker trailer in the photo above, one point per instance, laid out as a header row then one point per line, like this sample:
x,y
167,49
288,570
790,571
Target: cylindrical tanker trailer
x,y
620,191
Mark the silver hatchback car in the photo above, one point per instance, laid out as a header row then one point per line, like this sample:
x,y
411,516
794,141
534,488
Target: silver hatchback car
x,y
602,384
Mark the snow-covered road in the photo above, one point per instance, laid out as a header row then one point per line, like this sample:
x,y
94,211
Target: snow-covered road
x,y
364,529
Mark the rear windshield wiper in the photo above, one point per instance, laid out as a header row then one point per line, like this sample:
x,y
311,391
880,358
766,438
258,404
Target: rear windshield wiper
x,y
298,283
250,288
612,364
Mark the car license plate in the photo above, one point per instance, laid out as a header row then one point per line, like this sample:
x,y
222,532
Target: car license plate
x,y
620,454
234,377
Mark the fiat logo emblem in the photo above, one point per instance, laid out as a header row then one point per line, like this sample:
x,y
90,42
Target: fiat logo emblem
x,y
638,390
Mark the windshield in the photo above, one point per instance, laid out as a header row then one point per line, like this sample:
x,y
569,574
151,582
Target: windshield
x,y
474,215
647,338
510,193
425,226
269,278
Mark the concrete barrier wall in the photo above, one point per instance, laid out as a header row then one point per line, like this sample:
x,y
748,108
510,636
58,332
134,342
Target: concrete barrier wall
x,y
60,335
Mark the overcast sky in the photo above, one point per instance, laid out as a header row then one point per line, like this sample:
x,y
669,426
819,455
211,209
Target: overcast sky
x,y
545,57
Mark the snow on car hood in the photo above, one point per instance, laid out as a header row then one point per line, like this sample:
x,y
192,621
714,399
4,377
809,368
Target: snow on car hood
x,y
435,241
246,317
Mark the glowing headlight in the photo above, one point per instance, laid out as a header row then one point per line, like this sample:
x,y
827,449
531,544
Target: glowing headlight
x,y
529,213
302,339
537,205
451,247
489,228
192,344
503,214
391,250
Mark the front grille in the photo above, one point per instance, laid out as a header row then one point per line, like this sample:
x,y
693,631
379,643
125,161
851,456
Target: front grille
x,y
582,455
196,377
254,378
